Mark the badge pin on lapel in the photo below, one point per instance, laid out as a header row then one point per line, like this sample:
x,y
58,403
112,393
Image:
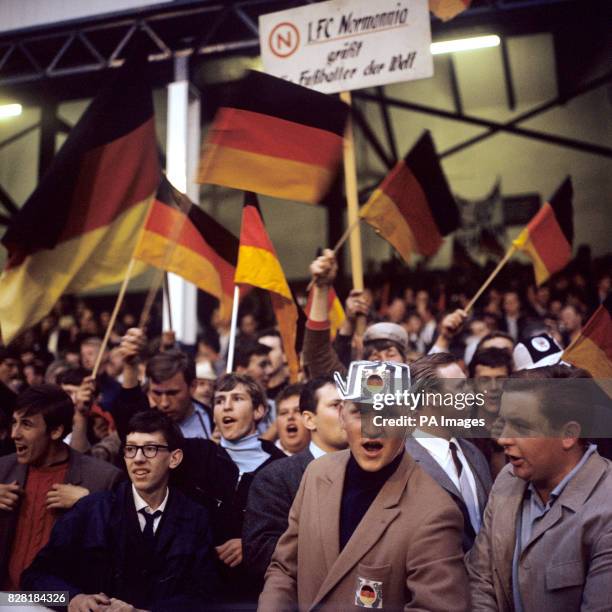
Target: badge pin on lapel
x,y
369,593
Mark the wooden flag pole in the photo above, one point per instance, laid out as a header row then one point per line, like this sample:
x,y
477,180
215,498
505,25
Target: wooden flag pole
x,y
343,239
233,326
153,289
489,280
352,199
113,319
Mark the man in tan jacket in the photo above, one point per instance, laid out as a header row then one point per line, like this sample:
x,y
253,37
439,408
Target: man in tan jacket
x,y
368,529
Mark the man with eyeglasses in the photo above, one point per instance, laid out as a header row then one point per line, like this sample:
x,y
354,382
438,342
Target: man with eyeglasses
x,y
144,547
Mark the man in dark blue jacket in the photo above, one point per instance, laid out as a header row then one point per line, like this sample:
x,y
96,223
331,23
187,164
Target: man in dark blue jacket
x,y
146,545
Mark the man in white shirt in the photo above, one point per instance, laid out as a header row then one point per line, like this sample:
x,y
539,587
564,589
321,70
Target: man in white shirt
x,y
454,463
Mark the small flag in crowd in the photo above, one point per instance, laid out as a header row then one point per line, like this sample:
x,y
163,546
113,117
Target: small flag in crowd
x,y
447,9
548,237
258,265
335,312
180,237
413,208
592,349
276,138
77,231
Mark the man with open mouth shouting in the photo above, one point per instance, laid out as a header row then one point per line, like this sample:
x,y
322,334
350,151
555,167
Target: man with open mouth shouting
x,y
546,539
368,528
43,478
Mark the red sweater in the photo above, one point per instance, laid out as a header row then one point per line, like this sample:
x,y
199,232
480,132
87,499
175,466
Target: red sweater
x,y
35,521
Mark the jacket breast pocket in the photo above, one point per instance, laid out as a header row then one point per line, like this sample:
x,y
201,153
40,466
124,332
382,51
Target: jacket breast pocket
x,y
565,575
372,586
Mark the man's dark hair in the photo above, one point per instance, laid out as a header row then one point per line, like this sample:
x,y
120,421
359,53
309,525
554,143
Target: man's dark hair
x,y
246,349
164,366
50,401
228,382
425,368
210,338
561,403
151,421
8,352
289,391
495,334
382,345
308,396
72,376
491,358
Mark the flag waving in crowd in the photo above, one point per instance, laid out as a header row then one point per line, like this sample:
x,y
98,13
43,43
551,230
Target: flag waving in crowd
x,y
548,237
592,349
258,265
180,237
413,208
77,231
276,138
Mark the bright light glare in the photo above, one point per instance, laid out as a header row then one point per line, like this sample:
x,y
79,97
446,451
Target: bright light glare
x,y
10,110
465,44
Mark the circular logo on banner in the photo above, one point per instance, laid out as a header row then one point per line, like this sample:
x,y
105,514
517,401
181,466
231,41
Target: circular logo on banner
x,y
540,344
284,39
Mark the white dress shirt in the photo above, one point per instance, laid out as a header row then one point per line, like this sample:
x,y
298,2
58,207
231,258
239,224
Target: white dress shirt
x,y
439,449
315,451
141,503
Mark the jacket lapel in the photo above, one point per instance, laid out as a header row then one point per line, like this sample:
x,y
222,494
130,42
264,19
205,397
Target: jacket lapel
x,y
503,533
171,521
480,485
431,466
382,512
572,497
329,497
74,472
20,474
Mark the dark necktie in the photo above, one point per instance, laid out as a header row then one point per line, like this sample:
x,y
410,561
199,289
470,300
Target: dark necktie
x,y
147,532
466,490
456,460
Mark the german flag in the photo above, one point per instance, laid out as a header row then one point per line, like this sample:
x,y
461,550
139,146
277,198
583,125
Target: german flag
x,y
413,207
447,9
77,231
592,349
258,265
335,312
548,237
180,237
275,138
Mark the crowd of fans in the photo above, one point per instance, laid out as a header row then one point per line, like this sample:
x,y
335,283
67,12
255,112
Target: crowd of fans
x,y
165,483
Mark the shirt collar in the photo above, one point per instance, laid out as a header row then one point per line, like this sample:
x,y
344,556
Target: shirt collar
x,y
141,503
315,451
556,492
436,446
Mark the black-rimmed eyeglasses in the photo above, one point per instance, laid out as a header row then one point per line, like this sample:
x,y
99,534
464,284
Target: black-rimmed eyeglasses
x,y
148,450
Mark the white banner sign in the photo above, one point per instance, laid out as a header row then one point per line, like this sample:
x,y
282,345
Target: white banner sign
x,y
348,44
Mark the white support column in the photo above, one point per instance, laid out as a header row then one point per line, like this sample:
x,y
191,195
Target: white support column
x,y
182,151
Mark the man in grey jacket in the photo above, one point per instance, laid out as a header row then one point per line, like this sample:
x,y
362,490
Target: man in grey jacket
x,y
546,540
